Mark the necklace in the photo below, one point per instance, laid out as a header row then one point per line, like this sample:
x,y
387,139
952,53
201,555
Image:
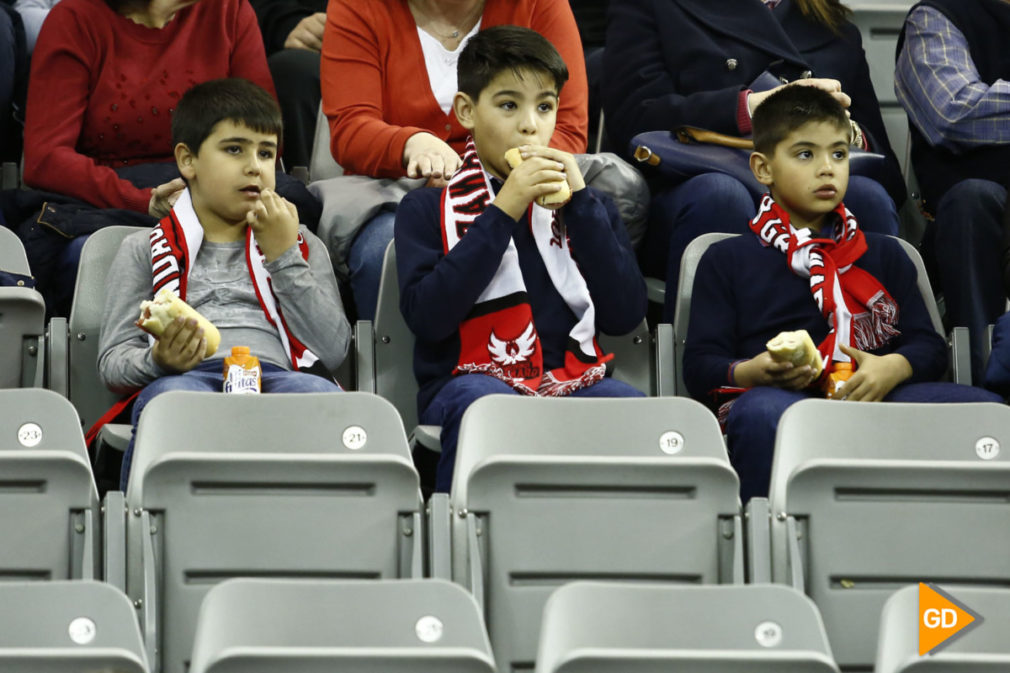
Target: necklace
x,y
427,22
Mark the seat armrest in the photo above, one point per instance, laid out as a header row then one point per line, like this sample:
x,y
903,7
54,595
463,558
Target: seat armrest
x,y
757,520
439,537
960,355
364,356
57,360
114,539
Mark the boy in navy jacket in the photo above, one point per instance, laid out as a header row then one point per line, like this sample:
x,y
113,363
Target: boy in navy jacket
x,y
502,294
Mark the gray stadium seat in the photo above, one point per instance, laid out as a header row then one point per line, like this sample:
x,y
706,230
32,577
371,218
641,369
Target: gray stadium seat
x,y
592,627
301,485
385,354
48,499
68,627
73,346
868,498
320,626
983,649
551,490
960,363
22,321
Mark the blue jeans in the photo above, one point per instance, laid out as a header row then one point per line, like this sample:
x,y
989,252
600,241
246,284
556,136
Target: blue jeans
x,y
715,202
365,262
447,407
754,419
967,242
208,377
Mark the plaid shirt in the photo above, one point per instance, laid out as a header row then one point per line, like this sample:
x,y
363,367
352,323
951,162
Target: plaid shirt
x,y
940,88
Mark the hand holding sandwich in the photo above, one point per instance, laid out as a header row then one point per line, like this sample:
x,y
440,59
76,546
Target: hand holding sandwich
x,y
544,174
181,346
274,222
765,370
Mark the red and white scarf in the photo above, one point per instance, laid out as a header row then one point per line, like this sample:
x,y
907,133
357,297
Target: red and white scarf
x,y
498,338
858,309
176,241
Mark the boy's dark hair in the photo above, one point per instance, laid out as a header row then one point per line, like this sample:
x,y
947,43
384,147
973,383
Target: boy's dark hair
x,y
234,99
788,109
499,48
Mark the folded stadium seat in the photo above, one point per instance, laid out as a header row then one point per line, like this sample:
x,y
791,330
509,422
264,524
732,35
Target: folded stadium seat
x,y
22,321
72,347
552,490
319,626
68,627
593,627
385,356
980,648
959,355
868,498
48,500
314,485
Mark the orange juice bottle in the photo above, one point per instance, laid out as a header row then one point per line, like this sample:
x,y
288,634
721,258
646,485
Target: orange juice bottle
x,y
839,374
242,372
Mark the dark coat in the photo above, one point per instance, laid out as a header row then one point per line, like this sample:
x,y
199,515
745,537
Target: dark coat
x,y
670,63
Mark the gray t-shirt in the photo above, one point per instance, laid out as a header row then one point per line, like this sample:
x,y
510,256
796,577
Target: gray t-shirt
x,y
220,288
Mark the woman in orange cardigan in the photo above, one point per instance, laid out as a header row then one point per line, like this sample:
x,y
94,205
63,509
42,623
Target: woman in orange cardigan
x,y
388,75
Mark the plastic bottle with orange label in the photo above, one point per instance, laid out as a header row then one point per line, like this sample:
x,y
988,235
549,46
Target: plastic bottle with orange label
x,y
242,372
839,374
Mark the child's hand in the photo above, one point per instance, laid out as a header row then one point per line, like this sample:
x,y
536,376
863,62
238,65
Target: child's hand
x,y
764,370
571,168
875,376
180,347
274,222
535,176
164,196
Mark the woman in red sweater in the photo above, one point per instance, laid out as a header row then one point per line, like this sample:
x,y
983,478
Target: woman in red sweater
x,y
388,75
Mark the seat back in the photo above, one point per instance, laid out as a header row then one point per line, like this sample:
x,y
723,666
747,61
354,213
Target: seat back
x,y
48,499
319,626
979,648
68,627
86,391
316,485
592,627
321,164
22,321
551,490
868,498
393,351
689,265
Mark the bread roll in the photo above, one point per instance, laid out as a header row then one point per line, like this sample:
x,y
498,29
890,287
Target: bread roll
x,y
796,347
552,200
157,314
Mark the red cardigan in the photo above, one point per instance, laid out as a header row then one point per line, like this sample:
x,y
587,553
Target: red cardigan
x,y
102,90
375,86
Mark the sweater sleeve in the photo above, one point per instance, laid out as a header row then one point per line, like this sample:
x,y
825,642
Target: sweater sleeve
x,y
309,299
438,290
124,353
248,57
711,337
920,343
601,246
555,21
351,75
58,91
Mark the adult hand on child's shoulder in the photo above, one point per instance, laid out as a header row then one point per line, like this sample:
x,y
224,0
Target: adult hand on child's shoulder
x,y
764,370
164,196
308,34
875,375
274,222
425,156
180,347
534,177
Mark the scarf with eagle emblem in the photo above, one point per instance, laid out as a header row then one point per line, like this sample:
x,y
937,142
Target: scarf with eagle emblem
x,y
498,337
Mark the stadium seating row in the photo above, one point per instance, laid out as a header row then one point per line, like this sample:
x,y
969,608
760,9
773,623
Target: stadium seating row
x,y
545,494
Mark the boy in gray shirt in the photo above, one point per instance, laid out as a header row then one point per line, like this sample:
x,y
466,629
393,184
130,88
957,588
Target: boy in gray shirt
x,y
234,250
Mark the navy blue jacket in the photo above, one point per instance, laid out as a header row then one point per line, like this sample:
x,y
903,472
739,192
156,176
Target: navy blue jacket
x,y
745,294
438,291
670,63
